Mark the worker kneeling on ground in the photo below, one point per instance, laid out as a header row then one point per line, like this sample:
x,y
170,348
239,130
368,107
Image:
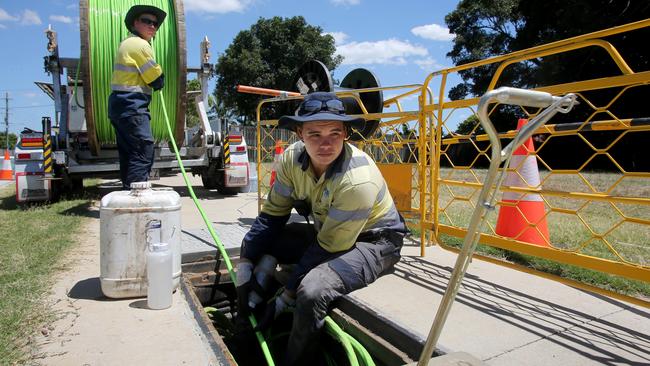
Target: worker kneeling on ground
x,y
135,75
357,234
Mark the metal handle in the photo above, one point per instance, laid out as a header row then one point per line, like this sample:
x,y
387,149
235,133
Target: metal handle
x,y
487,196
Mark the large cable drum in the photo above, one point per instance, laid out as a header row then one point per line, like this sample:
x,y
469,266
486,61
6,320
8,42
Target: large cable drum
x,y
102,29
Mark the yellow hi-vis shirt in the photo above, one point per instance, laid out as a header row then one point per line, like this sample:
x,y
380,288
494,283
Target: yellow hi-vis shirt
x,y
134,67
350,198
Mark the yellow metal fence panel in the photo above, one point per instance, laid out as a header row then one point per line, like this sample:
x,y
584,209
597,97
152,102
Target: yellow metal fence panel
x,y
593,193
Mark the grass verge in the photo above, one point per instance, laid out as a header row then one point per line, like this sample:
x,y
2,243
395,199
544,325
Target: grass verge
x,y
34,239
602,280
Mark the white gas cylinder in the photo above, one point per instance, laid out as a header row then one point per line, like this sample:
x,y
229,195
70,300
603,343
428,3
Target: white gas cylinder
x,y
159,276
129,222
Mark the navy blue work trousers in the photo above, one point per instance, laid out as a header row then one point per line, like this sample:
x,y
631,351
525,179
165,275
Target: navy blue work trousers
x,y
135,145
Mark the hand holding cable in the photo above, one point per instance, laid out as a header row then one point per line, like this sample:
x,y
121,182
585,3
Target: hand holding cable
x,y
284,301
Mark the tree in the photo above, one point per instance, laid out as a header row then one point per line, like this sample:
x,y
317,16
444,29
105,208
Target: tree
x,y
12,140
268,56
470,126
191,114
486,28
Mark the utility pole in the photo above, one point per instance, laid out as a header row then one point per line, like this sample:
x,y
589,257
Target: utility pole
x,y
7,119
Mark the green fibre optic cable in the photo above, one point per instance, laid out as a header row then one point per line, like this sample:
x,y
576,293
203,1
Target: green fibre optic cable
x,y
337,333
106,30
222,250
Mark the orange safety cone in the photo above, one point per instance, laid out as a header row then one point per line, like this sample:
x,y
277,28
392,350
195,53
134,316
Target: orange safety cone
x,y
276,160
522,217
6,173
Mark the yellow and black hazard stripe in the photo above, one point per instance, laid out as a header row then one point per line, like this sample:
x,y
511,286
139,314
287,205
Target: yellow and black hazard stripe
x,y
47,154
226,150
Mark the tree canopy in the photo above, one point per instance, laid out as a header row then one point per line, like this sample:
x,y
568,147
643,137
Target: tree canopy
x,y
12,140
268,55
486,28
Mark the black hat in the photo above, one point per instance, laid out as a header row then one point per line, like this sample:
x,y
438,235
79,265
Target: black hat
x,y
320,106
137,10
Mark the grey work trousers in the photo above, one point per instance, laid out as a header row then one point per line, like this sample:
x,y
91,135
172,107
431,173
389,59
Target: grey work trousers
x,y
373,255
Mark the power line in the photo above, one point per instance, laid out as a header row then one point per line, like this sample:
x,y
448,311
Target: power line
x,y
31,106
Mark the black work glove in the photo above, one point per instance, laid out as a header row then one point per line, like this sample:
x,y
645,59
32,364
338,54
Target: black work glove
x,y
277,305
243,287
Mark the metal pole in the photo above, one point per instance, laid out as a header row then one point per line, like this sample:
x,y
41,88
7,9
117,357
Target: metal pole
x,y
487,197
7,119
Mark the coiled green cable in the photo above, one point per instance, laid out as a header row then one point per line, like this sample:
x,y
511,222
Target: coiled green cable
x,y
106,31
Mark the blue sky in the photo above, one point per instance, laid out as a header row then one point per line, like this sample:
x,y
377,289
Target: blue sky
x,y
401,42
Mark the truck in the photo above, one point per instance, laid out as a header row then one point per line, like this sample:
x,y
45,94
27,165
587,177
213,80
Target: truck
x,y
57,159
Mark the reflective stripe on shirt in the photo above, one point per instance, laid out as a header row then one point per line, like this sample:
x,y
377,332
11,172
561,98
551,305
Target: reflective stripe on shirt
x,y
131,88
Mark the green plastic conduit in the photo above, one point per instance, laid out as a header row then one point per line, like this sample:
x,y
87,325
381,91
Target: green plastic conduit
x,y
220,247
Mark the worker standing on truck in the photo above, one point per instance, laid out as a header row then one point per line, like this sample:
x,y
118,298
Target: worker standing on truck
x,y
357,232
135,75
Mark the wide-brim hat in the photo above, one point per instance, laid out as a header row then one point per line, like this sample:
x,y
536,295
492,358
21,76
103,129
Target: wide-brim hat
x,y
320,106
137,10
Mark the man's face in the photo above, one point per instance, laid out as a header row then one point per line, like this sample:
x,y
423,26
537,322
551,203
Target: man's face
x,y
146,25
323,141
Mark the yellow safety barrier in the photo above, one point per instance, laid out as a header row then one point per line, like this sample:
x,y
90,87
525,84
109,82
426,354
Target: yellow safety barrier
x,y
597,203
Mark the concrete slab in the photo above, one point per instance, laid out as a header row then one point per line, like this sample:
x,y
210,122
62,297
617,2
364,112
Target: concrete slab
x,y
91,329
505,317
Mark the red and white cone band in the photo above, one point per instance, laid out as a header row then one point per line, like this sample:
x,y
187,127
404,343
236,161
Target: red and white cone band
x,y
527,176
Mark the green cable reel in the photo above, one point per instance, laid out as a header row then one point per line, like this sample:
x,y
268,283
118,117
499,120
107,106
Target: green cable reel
x,y
102,29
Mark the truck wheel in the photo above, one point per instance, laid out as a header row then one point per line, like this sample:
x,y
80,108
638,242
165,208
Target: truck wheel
x,y
76,187
209,176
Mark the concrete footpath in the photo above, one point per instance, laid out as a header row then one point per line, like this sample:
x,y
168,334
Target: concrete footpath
x,y
501,316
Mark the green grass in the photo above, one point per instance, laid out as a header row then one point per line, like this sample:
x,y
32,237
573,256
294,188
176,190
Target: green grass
x,y
34,239
579,232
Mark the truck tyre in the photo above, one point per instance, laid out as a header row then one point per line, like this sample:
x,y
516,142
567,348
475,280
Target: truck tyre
x,y
209,176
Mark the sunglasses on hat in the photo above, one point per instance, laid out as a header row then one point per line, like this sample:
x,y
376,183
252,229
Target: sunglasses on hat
x,y
313,106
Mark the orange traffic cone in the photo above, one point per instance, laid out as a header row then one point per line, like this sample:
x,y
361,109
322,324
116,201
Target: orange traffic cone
x,y
6,173
522,217
276,160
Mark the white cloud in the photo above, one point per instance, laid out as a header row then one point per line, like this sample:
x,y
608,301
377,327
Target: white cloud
x,y
345,2
429,64
391,51
30,94
71,6
30,17
216,6
61,18
339,37
2,26
4,16
434,32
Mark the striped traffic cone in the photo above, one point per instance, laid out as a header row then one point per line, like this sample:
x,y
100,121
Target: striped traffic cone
x,y
522,216
276,161
6,173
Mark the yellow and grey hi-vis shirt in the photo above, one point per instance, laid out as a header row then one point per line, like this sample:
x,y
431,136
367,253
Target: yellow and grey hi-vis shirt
x,y
349,199
134,67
